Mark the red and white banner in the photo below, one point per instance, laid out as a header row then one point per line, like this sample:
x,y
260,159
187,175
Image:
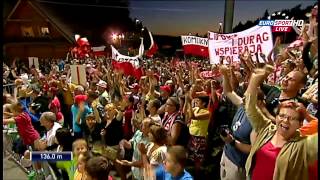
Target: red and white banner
x,y
209,74
128,65
195,46
256,39
99,51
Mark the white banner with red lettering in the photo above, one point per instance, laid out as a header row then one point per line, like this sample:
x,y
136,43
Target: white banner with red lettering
x,y
256,39
194,45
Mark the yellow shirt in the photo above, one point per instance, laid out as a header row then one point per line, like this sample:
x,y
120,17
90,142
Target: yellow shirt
x,y
95,102
68,97
199,127
150,97
79,176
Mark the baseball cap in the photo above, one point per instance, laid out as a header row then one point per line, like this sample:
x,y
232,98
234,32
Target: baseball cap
x,y
166,88
169,82
80,98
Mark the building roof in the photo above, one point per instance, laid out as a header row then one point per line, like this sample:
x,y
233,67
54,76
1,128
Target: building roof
x,y
47,13
7,8
62,27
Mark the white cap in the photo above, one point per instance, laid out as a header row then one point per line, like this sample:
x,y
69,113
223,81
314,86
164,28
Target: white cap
x,y
102,83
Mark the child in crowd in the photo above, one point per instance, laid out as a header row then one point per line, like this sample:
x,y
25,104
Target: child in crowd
x,y
174,166
79,146
97,168
80,173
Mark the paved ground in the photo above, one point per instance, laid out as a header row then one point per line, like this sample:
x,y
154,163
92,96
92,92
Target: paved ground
x,y
11,171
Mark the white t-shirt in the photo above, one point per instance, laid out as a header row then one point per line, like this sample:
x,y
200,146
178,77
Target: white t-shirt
x,y
157,156
52,133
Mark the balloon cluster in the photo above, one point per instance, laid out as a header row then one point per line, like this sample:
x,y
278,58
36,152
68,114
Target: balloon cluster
x,y
82,48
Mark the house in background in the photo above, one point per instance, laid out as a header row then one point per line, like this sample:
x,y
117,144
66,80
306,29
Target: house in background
x,y
32,30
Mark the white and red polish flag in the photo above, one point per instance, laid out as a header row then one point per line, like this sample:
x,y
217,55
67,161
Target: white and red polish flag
x,y
153,47
193,45
99,51
128,65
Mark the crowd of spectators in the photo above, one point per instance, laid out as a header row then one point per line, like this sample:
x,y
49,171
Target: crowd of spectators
x,y
250,119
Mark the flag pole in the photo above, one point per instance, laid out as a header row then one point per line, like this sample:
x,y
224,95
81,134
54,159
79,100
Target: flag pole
x,y
228,16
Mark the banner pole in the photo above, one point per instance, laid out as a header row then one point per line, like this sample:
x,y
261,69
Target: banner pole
x,y
228,16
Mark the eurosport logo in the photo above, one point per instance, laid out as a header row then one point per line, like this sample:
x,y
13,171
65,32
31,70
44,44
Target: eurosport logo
x,y
281,25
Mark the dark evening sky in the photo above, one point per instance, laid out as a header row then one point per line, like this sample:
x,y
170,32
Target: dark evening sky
x,y
180,17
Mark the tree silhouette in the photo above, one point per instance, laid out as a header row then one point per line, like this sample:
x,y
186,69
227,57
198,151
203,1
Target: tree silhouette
x,y
295,13
266,14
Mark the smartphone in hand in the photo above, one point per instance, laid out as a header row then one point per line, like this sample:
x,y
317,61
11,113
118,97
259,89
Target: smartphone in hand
x,y
224,130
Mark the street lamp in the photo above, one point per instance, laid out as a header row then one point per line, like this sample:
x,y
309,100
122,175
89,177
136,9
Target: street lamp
x,y
121,37
220,27
114,37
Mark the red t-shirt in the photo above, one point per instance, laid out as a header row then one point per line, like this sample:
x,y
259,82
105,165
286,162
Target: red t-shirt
x,y
127,126
45,87
265,162
25,129
55,104
313,171
59,116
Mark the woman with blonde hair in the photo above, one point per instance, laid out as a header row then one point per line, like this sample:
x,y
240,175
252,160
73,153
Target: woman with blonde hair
x,y
112,132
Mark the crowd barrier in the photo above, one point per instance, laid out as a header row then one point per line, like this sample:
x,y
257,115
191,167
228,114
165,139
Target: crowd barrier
x,y
10,135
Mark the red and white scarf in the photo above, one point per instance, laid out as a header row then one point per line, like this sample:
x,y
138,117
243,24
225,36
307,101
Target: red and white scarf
x,y
168,120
